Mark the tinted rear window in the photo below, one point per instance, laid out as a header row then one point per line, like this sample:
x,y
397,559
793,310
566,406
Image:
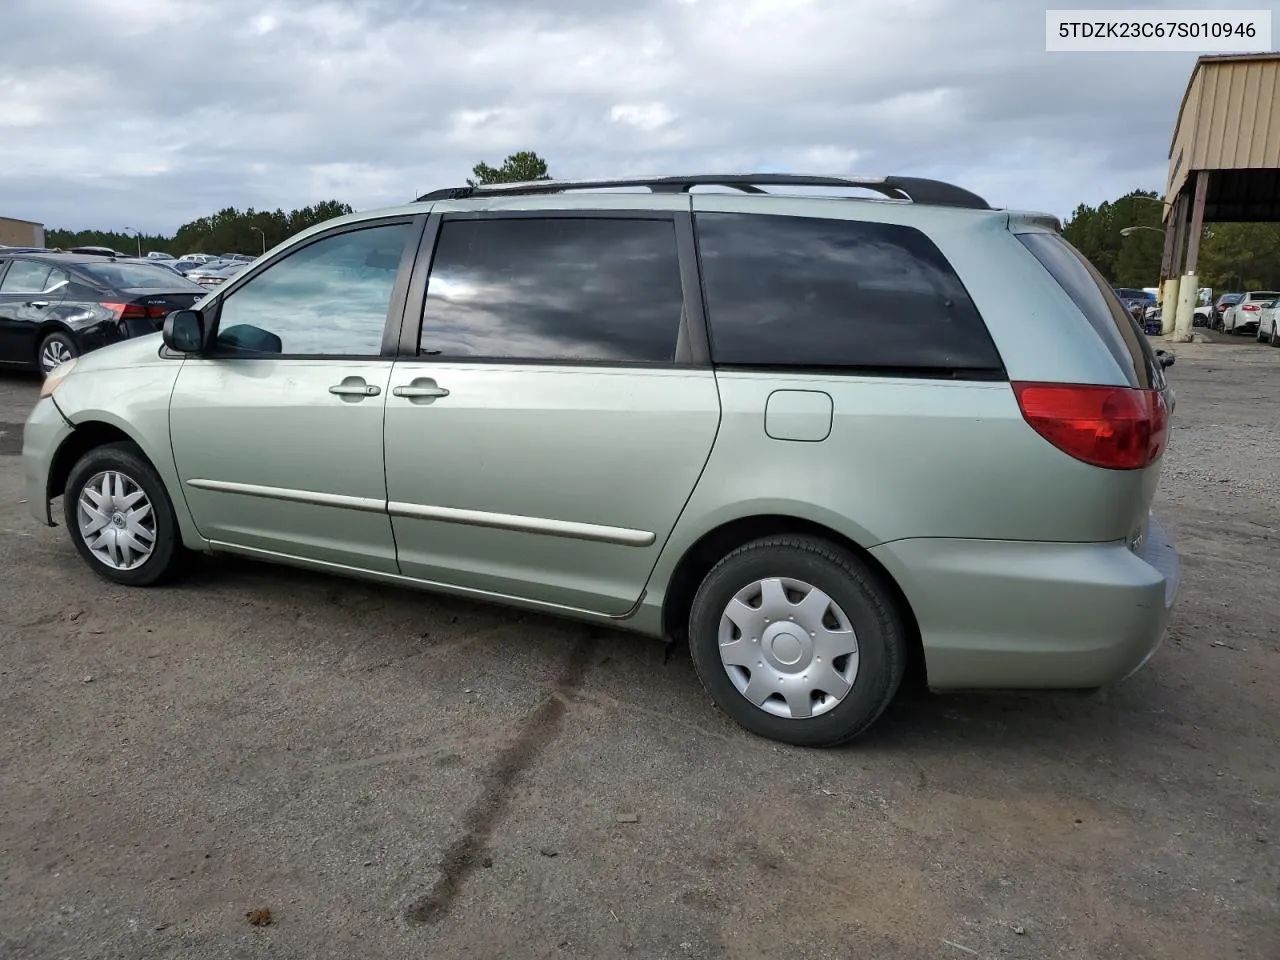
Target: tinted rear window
x,y
810,292
126,276
1264,295
1091,293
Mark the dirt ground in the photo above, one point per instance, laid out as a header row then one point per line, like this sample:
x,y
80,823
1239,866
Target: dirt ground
x,y
397,775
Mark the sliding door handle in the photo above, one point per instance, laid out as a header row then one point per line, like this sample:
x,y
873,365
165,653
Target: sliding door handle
x,y
423,388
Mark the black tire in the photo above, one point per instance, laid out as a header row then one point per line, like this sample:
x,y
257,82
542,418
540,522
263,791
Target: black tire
x,y
1275,334
57,339
853,586
126,459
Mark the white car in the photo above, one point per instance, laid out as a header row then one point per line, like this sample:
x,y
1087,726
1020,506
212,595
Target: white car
x,y
1243,317
1269,324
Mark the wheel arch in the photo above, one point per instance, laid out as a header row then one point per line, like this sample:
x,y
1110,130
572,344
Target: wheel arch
x,y
707,550
85,436
91,430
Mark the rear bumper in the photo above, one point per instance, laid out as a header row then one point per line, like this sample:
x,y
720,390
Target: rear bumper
x,y
1024,615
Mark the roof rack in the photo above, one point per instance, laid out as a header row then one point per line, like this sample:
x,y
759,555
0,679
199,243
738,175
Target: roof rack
x,y
913,189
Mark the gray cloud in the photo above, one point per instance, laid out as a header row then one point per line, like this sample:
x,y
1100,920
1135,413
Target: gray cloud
x,y
118,112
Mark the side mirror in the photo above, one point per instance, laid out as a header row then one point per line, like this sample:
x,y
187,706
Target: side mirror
x,y
184,331
1166,359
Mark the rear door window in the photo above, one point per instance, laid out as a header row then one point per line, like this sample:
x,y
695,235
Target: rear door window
x,y
589,289
807,292
1091,293
25,276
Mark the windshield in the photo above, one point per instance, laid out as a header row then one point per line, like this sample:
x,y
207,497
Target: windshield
x,y
125,276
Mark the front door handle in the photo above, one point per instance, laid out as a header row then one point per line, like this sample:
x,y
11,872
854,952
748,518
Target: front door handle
x,y
354,388
38,304
421,388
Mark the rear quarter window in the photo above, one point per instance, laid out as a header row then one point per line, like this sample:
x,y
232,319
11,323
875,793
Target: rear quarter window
x,y
1093,296
807,292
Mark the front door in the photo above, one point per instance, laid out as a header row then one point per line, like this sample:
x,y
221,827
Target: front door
x,y
544,440
277,435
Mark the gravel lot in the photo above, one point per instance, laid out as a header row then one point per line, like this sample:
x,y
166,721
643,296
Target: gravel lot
x,y
397,775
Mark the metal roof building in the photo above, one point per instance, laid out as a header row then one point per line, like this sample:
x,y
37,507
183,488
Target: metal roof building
x,y
1224,161
21,233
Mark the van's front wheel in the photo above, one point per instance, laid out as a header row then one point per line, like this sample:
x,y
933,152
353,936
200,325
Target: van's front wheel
x,y
797,640
120,518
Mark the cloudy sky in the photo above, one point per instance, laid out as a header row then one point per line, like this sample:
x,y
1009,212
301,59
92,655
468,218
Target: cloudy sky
x,y
148,113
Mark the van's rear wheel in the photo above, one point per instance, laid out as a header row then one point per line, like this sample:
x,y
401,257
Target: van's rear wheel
x,y
797,640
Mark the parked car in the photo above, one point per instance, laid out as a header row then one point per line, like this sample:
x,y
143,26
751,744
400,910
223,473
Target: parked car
x,y
1220,307
238,257
215,272
160,255
191,261
1136,301
1242,316
830,447
57,306
1269,324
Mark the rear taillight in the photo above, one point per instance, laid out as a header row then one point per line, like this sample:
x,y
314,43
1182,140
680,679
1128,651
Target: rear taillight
x,y
157,312
126,311
1251,307
1118,428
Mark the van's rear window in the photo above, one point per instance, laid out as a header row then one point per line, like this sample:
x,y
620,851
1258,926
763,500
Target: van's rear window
x,y
1090,291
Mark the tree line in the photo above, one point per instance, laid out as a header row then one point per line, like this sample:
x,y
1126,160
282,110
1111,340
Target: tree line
x,y
227,231
252,231
1233,256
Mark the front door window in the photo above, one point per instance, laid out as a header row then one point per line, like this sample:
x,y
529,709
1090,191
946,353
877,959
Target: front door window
x,y
328,299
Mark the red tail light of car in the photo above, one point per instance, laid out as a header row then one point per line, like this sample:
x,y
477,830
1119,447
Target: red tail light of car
x,y
126,311
1118,428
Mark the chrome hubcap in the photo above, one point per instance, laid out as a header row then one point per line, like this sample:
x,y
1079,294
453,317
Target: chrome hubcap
x,y
788,648
54,353
116,521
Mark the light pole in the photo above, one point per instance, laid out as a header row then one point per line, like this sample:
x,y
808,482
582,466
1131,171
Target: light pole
x,y
259,232
138,234
1169,300
1168,286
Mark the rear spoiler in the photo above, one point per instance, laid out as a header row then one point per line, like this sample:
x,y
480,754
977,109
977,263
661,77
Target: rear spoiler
x,y
1024,222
